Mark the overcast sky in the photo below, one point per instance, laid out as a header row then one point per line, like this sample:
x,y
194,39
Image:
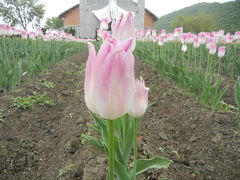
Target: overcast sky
x,y
158,7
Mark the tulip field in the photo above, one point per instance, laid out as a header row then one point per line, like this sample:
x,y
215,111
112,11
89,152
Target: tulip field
x,y
148,106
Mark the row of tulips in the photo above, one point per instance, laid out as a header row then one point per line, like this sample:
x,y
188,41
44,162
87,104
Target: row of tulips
x,y
188,58
20,57
212,41
9,31
117,100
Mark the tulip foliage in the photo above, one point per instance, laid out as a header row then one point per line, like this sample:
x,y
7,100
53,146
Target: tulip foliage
x,y
19,57
123,144
237,94
198,62
117,100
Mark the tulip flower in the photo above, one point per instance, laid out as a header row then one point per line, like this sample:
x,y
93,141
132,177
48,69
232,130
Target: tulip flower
x,y
140,101
184,48
212,48
124,29
104,23
138,108
178,32
202,38
196,43
109,79
221,51
160,42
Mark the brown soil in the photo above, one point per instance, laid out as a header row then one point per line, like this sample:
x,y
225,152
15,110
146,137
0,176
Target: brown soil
x,y
46,144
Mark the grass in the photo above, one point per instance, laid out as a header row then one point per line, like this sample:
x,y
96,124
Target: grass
x,y
66,169
30,101
1,116
47,84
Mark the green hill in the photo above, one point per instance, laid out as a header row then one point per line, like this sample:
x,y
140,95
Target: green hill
x,y
226,14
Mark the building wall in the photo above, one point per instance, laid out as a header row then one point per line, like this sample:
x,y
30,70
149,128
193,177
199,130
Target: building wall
x,y
89,23
148,20
72,18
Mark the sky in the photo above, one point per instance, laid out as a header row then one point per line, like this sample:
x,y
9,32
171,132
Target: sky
x,y
158,7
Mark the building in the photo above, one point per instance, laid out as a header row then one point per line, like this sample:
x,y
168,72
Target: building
x,y
85,20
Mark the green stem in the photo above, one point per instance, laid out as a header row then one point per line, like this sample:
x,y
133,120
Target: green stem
x,y
135,148
111,150
219,66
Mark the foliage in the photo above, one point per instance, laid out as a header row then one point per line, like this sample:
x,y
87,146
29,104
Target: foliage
x,y
227,15
196,24
21,56
21,12
66,169
1,116
189,69
28,102
71,31
237,93
123,142
53,23
47,84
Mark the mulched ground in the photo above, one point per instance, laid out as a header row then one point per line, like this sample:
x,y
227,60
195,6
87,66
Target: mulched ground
x,y
46,144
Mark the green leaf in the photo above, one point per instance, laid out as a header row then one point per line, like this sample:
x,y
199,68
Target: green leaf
x,y
104,131
237,93
121,171
157,162
129,139
94,141
118,152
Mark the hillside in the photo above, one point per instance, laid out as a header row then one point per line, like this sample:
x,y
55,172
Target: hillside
x,y
226,14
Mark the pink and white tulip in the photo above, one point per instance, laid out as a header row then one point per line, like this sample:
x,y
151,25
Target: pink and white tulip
x,y
104,23
124,28
212,48
184,48
109,79
221,51
196,43
140,101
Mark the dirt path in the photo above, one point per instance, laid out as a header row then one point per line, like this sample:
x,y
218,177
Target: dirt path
x,y
46,143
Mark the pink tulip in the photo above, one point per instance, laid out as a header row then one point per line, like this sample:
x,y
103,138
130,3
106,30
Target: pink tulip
x,y
109,79
124,29
221,51
140,101
202,38
178,32
160,42
196,43
212,48
104,23
163,33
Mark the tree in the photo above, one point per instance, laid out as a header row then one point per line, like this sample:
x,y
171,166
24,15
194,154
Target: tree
x,y
237,2
196,24
21,12
53,23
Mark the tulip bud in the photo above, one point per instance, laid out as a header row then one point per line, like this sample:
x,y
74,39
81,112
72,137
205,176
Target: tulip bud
x,y
109,79
140,101
124,29
221,51
184,48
